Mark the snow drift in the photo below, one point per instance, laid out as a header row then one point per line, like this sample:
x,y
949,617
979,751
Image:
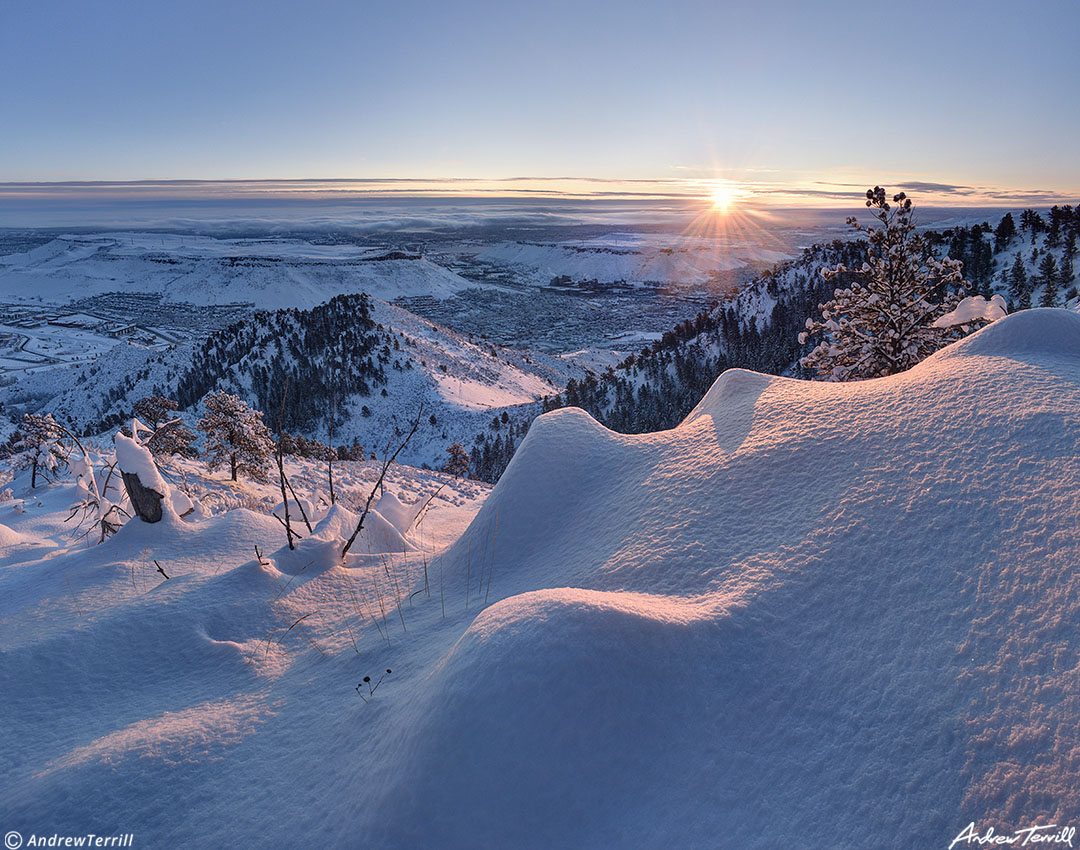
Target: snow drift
x,y
812,615
818,615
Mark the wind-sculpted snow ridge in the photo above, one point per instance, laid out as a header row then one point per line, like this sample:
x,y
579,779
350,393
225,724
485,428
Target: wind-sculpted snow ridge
x,y
812,615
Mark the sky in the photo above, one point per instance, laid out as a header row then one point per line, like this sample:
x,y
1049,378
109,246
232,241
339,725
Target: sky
x,y
784,102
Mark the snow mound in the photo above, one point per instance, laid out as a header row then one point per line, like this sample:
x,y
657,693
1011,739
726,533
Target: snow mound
x,y
338,524
1040,331
812,614
565,700
399,515
10,537
378,536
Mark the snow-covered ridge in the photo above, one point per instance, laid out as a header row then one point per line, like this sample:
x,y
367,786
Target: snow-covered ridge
x,y
757,625
806,593
462,382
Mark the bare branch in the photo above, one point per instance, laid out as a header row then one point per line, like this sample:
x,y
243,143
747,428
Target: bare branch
x,y
382,475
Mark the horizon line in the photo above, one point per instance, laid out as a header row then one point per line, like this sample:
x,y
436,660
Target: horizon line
x,y
751,194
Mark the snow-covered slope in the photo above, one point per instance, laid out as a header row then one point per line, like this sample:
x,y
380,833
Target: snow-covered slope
x,y
824,615
812,615
270,273
461,381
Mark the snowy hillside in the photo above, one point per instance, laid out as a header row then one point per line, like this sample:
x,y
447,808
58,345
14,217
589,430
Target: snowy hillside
x,y
269,272
369,362
758,329
811,615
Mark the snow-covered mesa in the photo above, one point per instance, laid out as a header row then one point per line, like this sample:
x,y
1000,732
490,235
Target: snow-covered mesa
x,y
812,615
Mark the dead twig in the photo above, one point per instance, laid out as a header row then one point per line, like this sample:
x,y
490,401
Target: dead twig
x,y
378,483
295,534
73,599
281,467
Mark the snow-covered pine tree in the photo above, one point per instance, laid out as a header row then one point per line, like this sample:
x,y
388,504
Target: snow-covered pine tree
x,y
171,436
236,436
882,323
38,446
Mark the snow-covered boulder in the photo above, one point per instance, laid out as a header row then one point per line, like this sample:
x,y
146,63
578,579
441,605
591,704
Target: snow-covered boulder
x,y
134,459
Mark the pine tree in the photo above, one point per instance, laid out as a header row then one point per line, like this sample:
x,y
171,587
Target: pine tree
x,y
1067,269
458,463
171,436
1033,222
1018,281
237,436
1048,277
883,322
37,446
1053,232
1004,232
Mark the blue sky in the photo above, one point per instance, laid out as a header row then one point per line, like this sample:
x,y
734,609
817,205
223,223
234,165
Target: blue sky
x,y
774,96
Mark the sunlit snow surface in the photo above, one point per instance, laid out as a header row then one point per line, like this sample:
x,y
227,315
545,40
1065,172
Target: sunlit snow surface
x,y
812,615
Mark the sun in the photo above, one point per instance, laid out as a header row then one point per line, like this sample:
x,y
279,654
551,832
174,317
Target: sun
x,y
723,197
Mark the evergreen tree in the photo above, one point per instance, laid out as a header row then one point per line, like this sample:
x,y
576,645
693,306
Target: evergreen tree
x,y
1048,277
37,446
883,322
171,436
458,462
1053,232
1032,222
1018,282
236,436
1067,270
1004,232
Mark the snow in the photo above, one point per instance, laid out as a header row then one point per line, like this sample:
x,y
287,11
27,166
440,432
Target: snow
x,y
132,457
461,380
9,537
270,273
1040,332
472,394
635,258
974,308
398,514
812,615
